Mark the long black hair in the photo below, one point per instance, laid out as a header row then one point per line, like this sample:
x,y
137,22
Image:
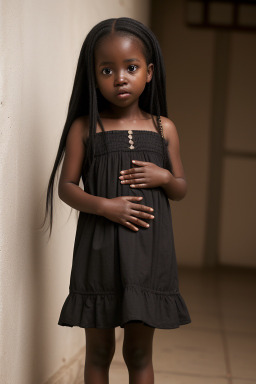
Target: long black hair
x,y
86,99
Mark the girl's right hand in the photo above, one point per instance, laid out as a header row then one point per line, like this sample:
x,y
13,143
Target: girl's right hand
x,y
124,210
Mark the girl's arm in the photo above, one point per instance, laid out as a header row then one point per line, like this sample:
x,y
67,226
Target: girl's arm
x,y
175,184
68,189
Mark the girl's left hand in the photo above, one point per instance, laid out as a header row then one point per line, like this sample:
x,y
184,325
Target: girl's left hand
x,y
146,175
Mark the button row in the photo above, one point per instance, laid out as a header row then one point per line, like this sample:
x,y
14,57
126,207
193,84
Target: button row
x,y
130,139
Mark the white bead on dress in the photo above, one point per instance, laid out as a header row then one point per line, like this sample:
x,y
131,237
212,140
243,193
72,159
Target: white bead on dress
x,y
131,142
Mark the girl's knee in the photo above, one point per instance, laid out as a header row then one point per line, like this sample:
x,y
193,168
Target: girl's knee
x,y
137,346
137,358
100,355
100,346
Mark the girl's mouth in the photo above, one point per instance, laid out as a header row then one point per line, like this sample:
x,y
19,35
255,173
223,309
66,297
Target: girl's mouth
x,y
123,94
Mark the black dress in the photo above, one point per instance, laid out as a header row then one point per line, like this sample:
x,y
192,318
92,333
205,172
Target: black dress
x,y
119,275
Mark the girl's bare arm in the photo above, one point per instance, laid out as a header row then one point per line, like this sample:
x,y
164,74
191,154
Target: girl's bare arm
x,y
68,189
175,184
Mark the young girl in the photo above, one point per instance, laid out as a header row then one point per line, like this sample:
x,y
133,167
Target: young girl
x,y
117,137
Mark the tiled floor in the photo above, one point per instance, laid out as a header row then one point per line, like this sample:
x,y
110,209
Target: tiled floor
x,y
218,347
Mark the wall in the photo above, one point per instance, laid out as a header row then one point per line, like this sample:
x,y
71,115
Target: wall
x,y
39,42
237,244
194,60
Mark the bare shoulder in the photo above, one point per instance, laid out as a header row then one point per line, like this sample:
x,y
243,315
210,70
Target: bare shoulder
x,y
169,128
80,127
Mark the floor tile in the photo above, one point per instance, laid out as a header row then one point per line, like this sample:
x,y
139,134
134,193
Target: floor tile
x,y
242,355
199,291
191,351
237,292
239,323
118,374
169,378
237,303
204,321
118,356
202,302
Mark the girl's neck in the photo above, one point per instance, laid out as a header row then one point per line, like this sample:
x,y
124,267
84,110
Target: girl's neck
x,y
125,114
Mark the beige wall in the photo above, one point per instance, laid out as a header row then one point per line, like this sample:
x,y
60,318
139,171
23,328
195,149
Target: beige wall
x,y
39,42
189,57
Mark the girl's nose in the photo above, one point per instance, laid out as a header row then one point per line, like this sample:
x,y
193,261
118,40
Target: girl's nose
x,y
120,79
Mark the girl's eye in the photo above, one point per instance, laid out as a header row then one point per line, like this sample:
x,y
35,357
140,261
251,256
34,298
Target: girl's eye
x,y
106,71
132,68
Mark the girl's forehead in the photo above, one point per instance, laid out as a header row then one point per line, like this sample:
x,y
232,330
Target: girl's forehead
x,y
115,44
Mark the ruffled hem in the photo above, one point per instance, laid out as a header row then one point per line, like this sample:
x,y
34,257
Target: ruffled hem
x,y
163,310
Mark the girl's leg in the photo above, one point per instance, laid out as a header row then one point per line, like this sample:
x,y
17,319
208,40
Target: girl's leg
x,y
137,352
100,348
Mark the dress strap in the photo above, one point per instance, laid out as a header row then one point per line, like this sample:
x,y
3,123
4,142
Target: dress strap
x,y
160,126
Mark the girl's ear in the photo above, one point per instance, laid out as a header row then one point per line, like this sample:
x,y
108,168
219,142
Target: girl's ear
x,y
150,71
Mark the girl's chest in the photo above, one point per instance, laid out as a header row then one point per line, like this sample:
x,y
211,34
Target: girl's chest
x,y
129,141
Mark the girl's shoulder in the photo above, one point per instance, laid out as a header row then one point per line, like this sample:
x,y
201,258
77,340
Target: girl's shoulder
x,y
170,131
81,126
169,128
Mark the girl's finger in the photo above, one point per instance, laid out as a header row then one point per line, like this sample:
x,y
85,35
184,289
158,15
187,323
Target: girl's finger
x,y
130,170
136,181
139,162
136,220
131,175
131,226
141,214
136,198
133,181
138,185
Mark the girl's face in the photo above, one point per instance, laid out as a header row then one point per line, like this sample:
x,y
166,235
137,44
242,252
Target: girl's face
x,y
121,70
